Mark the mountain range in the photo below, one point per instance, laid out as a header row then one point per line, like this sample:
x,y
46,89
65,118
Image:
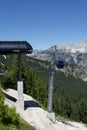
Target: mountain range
x,y
73,55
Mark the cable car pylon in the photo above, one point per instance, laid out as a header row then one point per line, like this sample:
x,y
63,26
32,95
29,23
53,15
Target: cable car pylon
x,y
60,65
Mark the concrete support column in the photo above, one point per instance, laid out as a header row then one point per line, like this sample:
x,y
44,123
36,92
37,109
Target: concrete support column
x,y
20,98
51,116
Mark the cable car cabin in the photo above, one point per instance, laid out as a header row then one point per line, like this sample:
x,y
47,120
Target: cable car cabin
x,y
60,64
11,47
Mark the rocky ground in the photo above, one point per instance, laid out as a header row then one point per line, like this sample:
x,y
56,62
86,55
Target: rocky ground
x,y
36,116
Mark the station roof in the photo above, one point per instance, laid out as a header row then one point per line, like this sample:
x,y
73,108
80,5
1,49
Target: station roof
x,y
11,47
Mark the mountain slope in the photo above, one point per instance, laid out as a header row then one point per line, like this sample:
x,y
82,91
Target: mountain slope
x,y
37,117
70,93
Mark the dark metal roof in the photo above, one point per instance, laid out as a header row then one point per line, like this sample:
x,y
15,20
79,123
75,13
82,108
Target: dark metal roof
x,y
10,47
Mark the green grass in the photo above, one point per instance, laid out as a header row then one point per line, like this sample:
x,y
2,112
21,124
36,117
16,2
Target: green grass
x,y
63,118
23,126
86,125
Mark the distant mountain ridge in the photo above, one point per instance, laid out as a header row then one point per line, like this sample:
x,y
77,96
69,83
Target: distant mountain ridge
x,y
73,49
72,54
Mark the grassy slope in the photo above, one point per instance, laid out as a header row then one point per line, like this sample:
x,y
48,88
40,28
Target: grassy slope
x,y
23,125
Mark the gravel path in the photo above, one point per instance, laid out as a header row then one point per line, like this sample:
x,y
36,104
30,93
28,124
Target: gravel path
x,y
36,116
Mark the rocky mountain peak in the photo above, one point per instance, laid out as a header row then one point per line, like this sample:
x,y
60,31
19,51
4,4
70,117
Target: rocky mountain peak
x,y
73,48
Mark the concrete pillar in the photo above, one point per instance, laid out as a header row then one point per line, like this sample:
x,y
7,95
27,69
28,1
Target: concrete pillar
x,y
51,116
20,98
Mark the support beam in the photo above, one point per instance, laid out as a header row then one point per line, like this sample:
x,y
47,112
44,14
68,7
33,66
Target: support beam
x,y
19,67
51,114
51,86
20,100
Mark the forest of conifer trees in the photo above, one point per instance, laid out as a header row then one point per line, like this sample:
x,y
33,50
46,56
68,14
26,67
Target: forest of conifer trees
x,y
70,93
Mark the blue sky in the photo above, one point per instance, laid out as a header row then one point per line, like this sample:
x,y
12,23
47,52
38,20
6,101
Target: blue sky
x,y
44,23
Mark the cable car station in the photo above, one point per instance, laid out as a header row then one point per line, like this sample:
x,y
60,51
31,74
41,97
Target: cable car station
x,y
11,47
17,47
